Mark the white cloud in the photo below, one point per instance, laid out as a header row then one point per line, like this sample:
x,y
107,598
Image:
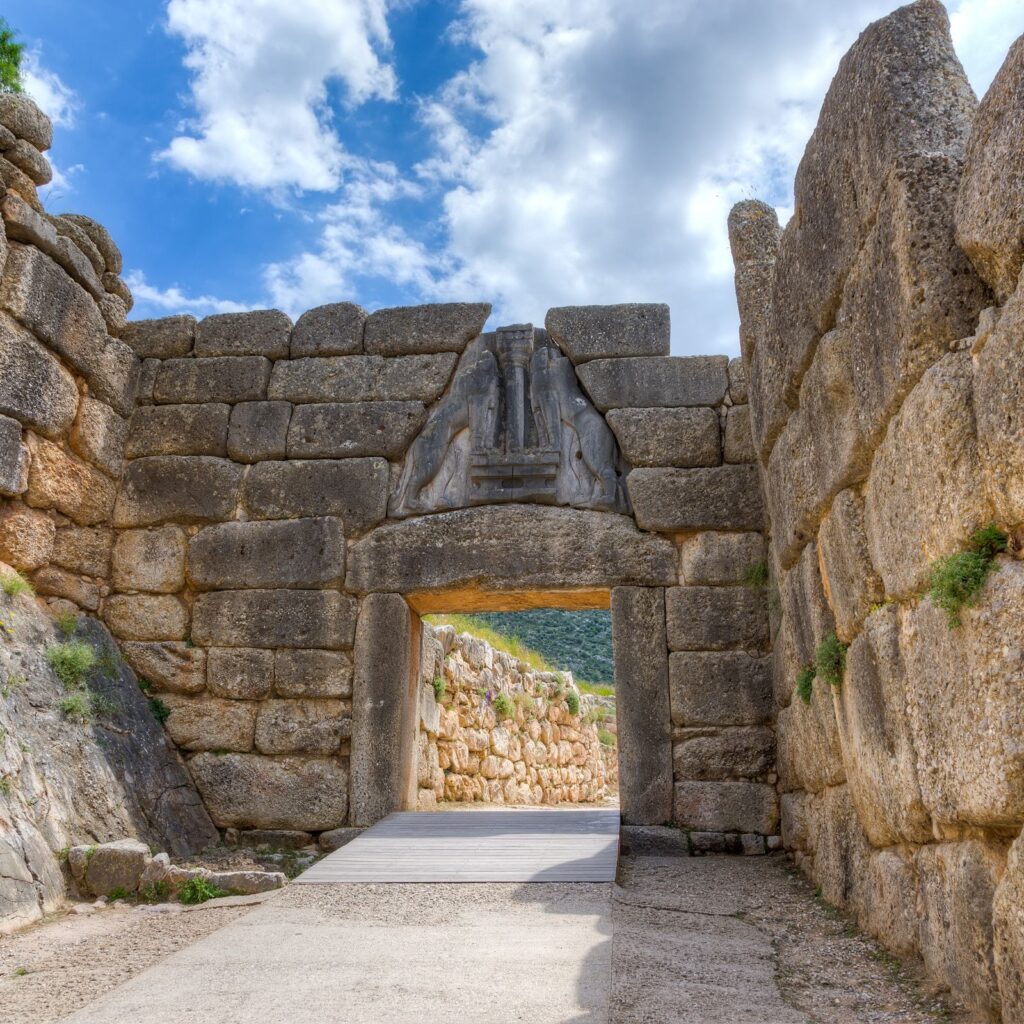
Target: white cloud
x,y
168,301
983,31
260,76
51,95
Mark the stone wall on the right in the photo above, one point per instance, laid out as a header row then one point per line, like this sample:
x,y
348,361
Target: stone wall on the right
x,y
883,335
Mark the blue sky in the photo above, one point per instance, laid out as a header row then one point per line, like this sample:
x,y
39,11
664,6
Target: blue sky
x,y
530,153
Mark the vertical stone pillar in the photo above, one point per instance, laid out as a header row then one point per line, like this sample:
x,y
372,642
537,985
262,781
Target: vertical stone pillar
x,y
644,717
380,690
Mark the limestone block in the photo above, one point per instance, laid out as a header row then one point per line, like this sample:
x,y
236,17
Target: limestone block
x,y
444,327
240,673
74,234
302,726
261,332
990,203
258,431
889,912
101,239
179,430
602,332
274,618
719,559
210,724
737,382
957,888
766,382
99,435
22,117
163,338
874,732
655,381
719,688
111,866
26,537
146,617
726,807
848,576
354,430
667,437
493,548
147,378
54,582
753,232
249,790
14,459
34,387
17,181
999,412
312,673
114,312
841,851
171,665
793,808
642,712
738,446
419,378
925,496
83,549
177,488
380,688
716,619
354,490
677,500
729,753
150,560
26,157
268,555
58,480
1008,926
332,330
963,700
807,617
808,752
220,379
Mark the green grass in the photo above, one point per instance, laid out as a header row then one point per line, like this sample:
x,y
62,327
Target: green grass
x,y
154,892
67,622
572,699
439,686
830,660
199,890
161,712
607,738
804,684
499,641
598,713
119,892
956,580
71,661
5,785
503,706
756,576
13,583
76,706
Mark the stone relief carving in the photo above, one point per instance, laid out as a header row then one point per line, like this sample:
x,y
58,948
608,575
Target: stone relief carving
x,y
514,426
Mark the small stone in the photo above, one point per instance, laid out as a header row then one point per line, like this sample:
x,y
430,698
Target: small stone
x,y
14,458
336,838
739,446
716,618
302,726
720,559
54,582
83,549
210,724
109,867
678,500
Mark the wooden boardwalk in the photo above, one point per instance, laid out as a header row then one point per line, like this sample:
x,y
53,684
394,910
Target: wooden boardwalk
x,y
478,846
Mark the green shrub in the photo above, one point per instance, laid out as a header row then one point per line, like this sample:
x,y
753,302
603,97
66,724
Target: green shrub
x,y
756,576
503,707
989,541
154,892
71,661
598,689
119,892
13,583
439,686
598,713
5,785
956,580
607,738
804,683
572,699
10,59
830,660
161,712
526,703
144,684
199,890
67,622
76,706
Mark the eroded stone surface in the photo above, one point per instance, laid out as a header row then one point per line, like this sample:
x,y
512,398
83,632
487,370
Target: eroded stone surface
x,y
644,382
599,332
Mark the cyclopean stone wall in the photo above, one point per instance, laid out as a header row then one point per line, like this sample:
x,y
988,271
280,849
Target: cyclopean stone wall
x,y
534,749
884,341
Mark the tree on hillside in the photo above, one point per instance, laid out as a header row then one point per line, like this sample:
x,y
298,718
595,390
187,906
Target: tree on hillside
x,y
10,59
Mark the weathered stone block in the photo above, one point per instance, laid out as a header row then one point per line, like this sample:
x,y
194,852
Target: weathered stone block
x,y
163,338
26,537
720,688
808,752
730,753
302,726
726,807
22,117
805,608
963,700
179,430
667,437
737,382
14,459
248,790
85,245
17,181
147,379
753,232
313,673
210,724
146,617
739,446
240,673
258,431
510,547
601,332
109,867
185,489
25,156
677,500
753,282
268,555
332,330
355,490
444,327
53,582
173,665
643,719
655,381
716,619
362,378
34,387
766,381
99,435
83,549
889,912
354,430
720,559
1008,927
60,481
101,239
274,618
841,850
225,379
261,332
150,560
383,666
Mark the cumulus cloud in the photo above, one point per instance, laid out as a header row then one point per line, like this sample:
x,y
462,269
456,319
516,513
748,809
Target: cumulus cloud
x,y
156,301
982,33
261,70
51,95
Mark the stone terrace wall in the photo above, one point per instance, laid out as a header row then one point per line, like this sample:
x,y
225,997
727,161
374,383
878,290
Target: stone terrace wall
x,y
884,339
536,752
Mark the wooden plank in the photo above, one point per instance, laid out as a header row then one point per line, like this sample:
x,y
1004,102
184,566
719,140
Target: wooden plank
x,y
477,846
